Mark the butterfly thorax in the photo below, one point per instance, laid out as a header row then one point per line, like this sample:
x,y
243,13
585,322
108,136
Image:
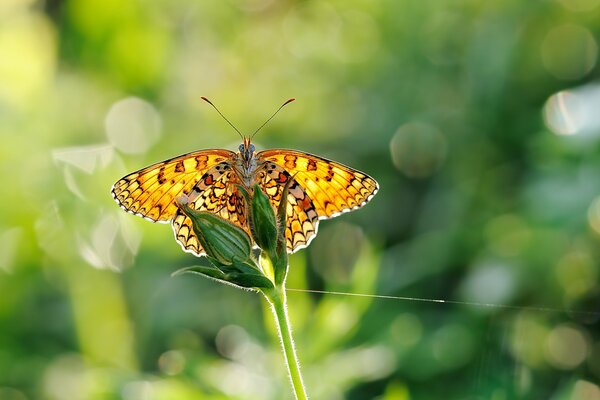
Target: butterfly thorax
x,y
245,163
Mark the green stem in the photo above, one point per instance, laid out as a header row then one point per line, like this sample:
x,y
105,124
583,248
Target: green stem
x,y
277,299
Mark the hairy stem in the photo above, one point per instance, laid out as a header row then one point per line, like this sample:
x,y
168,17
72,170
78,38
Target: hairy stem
x,y
277,299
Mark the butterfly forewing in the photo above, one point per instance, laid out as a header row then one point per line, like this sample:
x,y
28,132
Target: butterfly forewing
x,y
333,187
152,192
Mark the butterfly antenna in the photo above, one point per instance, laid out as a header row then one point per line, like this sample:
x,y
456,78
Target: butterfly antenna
x,y
221,114
271,117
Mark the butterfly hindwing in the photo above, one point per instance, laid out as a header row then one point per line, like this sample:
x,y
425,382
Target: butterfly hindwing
x,y
216,192
333,187
151,192
302,218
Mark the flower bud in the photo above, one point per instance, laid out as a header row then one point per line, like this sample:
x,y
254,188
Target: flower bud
x,y
264,225
223,241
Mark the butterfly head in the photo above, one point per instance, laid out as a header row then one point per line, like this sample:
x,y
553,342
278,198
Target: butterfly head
x,y
246,150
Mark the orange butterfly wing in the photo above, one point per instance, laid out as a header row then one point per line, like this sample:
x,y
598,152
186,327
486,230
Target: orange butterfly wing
x,y
152,191
216,192
222,198
334,188
302,218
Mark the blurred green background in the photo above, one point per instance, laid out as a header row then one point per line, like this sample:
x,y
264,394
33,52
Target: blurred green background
x,y
480,120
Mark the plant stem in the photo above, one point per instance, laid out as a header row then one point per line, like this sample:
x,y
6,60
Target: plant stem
x,y
277,299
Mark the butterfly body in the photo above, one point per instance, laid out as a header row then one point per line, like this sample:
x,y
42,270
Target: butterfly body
x,y
245,163
210,179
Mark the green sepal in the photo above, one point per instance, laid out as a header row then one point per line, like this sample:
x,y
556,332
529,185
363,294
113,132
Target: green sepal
x,y
268,230
264,224
245,267
246,274
222,240
255,280
261,219
282,216
206,270
243,275
280,256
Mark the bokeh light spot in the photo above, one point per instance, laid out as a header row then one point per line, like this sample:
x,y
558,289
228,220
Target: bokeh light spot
x,y
171,362
374,362
138,390
569,52
566,347
79,162
563,113
492,282
584,390
418,149
112,242
340,318
232,342
133,125
528,339
371,363
65,379
576,273
238,380
574,111
85,158
338,249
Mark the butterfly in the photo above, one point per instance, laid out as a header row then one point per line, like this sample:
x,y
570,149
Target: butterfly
x,y
210,181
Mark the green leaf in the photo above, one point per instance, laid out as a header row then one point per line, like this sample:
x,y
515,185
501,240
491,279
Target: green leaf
x,y
246,276
210,271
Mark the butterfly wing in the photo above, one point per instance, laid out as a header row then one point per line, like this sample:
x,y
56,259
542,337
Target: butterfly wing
x,y
216,192
151,192
302,218
320,189
332,187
